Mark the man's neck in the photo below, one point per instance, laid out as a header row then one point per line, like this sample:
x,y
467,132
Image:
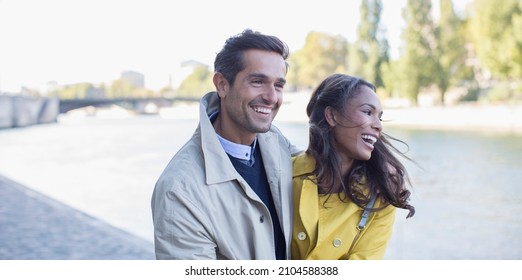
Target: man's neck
x,y
245,138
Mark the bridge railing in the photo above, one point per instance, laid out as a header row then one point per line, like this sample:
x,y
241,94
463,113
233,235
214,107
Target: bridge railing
x,y
136,104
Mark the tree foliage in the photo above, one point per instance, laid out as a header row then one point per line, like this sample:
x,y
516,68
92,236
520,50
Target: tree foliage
x,y
496,28
80,90
431,54
370,50
321,55
418,61
197,84
120,88
451,49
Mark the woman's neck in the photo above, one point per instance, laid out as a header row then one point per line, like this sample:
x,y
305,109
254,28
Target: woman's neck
x,y
346,164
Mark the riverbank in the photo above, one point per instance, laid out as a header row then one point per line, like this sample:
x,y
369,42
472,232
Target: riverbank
x,y
473,117
495,118
21,111
18,111
468,117
37,227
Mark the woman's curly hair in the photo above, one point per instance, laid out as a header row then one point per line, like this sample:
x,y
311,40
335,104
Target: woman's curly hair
x,y
383,173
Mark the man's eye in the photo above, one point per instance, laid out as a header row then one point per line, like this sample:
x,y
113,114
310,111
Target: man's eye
x,y
281,85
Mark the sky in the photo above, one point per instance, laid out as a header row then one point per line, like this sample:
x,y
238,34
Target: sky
x,y
72,41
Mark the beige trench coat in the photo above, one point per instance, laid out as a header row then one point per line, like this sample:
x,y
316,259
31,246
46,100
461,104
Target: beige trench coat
x,y
203,209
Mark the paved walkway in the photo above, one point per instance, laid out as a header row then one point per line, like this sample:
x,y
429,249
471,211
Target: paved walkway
x,y
36,227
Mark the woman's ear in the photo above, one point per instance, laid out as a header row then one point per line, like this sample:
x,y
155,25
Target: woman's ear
x,y
221,84
329,115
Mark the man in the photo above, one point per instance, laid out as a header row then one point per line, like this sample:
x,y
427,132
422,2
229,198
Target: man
x,y
226,194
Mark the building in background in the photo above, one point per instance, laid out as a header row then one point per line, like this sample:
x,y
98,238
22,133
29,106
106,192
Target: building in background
x,y
135,78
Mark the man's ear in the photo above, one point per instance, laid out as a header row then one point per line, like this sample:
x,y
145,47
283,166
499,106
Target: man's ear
x,y
329,115
221,84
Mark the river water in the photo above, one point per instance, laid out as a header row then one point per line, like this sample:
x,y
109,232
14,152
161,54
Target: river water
x,y
467,186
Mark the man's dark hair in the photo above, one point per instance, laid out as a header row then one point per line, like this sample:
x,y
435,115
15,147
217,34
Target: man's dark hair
x,y
229,61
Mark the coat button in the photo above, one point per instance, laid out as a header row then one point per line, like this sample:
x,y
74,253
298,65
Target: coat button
x,y
262,219
336,242
301,236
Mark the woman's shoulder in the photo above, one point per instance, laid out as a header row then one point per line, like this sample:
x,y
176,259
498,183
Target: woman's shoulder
x,y
302,164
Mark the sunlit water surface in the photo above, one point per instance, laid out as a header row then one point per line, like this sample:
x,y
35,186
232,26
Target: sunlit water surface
x,y
467,186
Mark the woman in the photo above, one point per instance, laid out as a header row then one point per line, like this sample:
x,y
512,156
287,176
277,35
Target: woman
x,y
348,167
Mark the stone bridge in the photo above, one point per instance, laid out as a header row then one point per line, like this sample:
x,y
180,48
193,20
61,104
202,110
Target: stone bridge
x,y
20,111
137,105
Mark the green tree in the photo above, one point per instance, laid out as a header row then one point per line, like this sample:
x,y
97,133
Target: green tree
x,y
418,62
80,90
321,55
496,28
517,54
197,84
292,77
370,50
391,78
451,49
120,88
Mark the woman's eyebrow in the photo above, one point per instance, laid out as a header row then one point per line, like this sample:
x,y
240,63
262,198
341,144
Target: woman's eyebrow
x,y
372,106
368,104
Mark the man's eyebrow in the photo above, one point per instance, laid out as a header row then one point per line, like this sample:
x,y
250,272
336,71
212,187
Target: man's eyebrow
x,y
263,76
257,75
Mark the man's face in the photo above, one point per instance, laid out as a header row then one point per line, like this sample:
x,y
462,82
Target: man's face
x,y
251,103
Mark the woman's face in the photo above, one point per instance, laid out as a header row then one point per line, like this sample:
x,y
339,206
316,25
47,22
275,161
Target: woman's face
x,y
356,130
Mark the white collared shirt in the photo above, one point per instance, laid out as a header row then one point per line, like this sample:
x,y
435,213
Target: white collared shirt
x,y
243,152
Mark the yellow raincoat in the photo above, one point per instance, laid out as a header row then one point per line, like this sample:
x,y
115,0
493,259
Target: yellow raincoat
x,y
327,233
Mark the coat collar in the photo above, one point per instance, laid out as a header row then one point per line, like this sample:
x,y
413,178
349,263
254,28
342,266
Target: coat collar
x,y
218,167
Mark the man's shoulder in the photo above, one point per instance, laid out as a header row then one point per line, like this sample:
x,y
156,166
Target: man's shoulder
x,y
188,153
275,129
275,132
284,142
185,166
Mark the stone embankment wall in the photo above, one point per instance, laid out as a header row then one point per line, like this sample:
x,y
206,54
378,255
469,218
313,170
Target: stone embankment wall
x,y
20,111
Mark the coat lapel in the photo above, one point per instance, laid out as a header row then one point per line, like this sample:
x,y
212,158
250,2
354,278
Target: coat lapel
x,y
309,206
218,167
269,146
